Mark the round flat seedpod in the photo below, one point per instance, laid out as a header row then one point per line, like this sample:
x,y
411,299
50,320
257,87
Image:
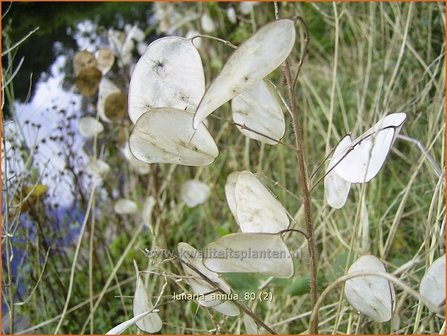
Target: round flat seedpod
x,y
371,295
105,59
259,110
207,23
125,207
115,106
97,168
252,61
433,283
88,80
366,155
166,135
89,127
198,285
249,253
250,325
140,168
257,210
227,308
230,187
169,74
141,303
194,193
245,7
106,88
337,189
83,60
231,15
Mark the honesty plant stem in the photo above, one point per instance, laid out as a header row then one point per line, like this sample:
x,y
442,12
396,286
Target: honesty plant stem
x,y
247,311
303,178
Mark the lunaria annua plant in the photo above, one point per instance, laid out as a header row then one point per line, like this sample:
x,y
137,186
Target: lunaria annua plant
x,y
168,105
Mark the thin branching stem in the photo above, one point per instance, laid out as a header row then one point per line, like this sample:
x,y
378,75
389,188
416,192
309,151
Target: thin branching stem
x,y
305,48
227,43
303,180
245,127
295,230
237,303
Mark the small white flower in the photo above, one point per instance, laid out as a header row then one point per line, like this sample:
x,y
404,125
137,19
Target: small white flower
x,y
433,283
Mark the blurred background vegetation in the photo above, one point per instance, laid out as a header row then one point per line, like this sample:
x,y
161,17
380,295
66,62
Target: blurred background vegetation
x,y
365,60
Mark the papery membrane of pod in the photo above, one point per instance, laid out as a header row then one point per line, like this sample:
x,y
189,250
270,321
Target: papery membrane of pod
x,y
166,135
106,88
258,109
365,157
227,308
231,15
194,192
146,213
97,168
89,127
198,285
252,61
140,168
257,209
336,188
230,187
105,60
141,303
82,60
246,6
432,285
169,74
207,23
125,207
250,325
249,253
117,330
88,80
371,295
115,106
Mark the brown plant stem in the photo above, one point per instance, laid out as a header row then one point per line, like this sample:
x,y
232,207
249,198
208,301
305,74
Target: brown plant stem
x,y
242,307
303,180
